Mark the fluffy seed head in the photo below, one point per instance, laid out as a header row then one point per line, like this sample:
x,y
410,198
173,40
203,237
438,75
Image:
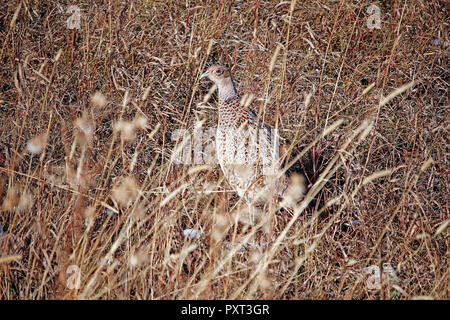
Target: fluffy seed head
x,y
138,258
12,198
37,144
26,201
85,129
295,190
140,122
98,100
126,192
89,212
126,129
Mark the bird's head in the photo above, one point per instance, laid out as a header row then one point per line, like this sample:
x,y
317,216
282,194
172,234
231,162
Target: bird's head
x,y
218,74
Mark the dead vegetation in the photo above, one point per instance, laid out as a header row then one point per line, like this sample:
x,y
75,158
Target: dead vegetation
x,y
94,205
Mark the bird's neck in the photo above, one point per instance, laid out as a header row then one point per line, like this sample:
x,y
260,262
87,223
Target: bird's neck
x,y
227,91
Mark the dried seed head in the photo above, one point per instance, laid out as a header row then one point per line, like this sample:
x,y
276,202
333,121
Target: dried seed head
x,y
126,130
71,176
138,258
247,216
146,92
86,128
26,201
219,228
58,55
89,213
274,57
98,100
221,221
140,122
255,256
295,191
133,260
140,211
264,281
81,139
217,235
37,144
126,192
11,199
86,125
308,99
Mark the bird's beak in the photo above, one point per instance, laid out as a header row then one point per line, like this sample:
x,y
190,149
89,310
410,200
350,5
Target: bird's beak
x,y
204,75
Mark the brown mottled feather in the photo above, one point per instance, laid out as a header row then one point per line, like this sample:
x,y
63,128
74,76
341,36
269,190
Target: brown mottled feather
x,y
246,148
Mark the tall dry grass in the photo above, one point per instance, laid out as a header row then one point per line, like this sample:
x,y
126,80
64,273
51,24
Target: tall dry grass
x,y
90,187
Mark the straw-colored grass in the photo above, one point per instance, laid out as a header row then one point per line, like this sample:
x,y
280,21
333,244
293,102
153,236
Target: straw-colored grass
x,y
95,204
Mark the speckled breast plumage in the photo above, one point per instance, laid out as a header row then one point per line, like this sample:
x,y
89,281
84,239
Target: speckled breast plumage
x,y
247,152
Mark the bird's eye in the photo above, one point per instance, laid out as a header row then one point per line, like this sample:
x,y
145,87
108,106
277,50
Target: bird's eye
x,y
219,72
